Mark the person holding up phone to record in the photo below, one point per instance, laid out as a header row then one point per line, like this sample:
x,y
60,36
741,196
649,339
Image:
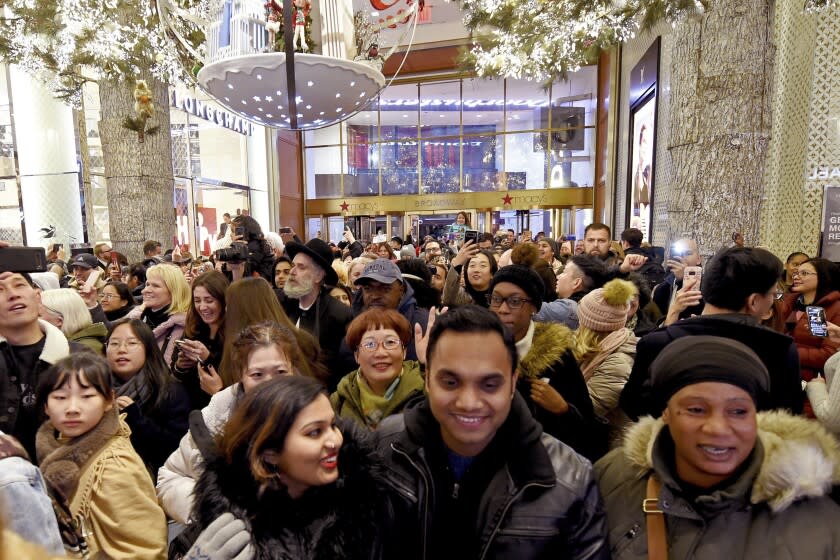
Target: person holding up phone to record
x,y
812,302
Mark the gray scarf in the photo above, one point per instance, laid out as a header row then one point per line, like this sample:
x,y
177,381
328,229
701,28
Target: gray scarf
x,y
137,389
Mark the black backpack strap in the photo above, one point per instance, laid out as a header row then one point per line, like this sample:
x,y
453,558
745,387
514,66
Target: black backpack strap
x,y
202,436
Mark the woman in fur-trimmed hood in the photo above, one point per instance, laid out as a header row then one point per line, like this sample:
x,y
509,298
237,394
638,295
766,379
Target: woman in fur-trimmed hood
x,y
549,377
305,487
730,483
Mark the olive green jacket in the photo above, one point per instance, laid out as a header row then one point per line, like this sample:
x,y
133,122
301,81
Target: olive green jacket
x,y
347,400
92,336
776,508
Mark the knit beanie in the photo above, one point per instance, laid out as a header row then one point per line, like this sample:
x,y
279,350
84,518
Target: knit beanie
x,y
524,278
697,359
605,309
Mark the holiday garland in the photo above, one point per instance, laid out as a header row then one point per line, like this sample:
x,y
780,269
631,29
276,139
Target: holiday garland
x,y
69,42
544,40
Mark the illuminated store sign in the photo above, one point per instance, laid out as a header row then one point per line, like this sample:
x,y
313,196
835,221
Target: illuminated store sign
x,y
469,103
824,172
209,112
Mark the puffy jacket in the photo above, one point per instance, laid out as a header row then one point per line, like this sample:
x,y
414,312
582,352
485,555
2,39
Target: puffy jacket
x,y
775,509
542,504
176,478
813,350
550,357
92,336
825,397
347,399
605,386
777,351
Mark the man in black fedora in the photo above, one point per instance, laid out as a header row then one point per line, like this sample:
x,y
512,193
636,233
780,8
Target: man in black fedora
x,y
308,302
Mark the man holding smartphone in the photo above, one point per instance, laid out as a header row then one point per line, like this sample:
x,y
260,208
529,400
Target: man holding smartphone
x,y
82,267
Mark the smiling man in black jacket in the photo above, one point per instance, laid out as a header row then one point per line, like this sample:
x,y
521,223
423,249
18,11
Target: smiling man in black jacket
x,y
473,473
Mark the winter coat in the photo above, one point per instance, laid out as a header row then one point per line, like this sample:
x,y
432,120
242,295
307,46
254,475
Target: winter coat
x,y
550,356
775,509
155,433
605,387
18,415
563,311
176,478
347,400
777,351
346,519
825,397
813,350
92,337
327,321
113,499
167,332
453,294
541,504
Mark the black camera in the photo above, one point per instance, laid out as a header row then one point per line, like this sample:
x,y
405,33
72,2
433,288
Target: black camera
x,y
236,253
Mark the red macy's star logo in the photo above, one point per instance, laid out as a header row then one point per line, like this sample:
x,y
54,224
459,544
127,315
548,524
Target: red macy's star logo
x,y
344,206
507,199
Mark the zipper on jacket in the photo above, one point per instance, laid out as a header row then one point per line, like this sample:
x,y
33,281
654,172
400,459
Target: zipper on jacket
x,y
455,488
504,513
626,540
429,489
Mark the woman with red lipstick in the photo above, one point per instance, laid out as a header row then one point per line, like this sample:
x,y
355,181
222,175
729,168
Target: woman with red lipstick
x,y
197,356
385,381
304,487
100,487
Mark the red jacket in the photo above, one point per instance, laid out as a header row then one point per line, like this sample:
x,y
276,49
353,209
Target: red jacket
x,y
813,350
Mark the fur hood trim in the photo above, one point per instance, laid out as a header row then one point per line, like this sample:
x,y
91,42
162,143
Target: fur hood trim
x,y
551,341
801,458
56,345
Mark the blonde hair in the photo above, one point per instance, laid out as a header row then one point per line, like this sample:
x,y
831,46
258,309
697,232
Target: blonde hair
x,y
70,305
341,270
587,343
173,279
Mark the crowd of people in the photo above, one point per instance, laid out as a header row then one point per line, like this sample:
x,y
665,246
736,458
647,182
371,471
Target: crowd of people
x,y
502,397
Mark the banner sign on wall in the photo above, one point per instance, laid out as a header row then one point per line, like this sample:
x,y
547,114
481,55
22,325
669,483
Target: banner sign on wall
x,y
642,149
831,224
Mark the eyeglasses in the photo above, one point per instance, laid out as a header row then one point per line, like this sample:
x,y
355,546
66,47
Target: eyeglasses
x,y
370,345
130,344
107,297
803,273
514,302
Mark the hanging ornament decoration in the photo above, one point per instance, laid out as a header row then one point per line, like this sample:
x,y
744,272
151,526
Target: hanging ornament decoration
x,y
144,109
255,68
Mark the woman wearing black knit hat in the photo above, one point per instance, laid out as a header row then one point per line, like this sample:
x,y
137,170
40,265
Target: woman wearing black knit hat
x,y
549,377
716,478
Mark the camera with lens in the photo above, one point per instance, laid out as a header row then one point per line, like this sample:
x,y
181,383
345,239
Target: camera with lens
x,y
236,253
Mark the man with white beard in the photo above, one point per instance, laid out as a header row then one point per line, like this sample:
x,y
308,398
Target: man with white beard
x,y
310,306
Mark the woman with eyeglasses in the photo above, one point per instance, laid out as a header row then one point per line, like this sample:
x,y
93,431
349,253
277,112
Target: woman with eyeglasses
x,y
550,379
156,405
116,300
813,285
385,381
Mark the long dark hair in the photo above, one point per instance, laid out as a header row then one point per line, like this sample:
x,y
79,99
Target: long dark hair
x,y
826,277
262,421
157,372
216,285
